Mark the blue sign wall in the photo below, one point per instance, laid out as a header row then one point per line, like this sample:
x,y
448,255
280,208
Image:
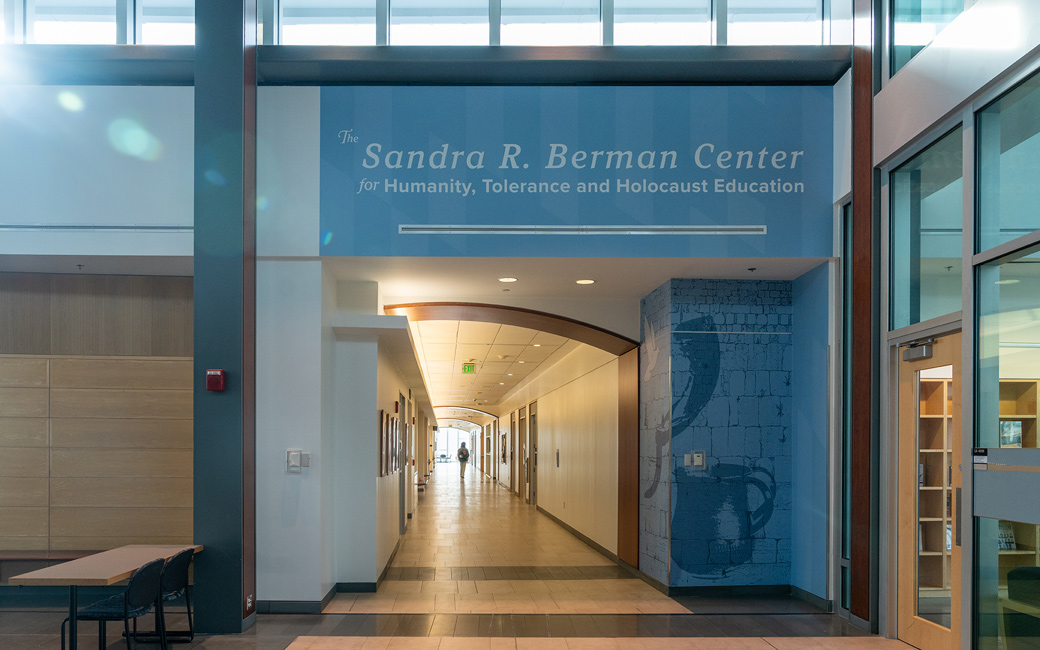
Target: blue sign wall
x,y
576,171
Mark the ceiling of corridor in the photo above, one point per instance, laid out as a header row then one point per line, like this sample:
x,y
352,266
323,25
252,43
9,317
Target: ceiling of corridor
x,y
503,356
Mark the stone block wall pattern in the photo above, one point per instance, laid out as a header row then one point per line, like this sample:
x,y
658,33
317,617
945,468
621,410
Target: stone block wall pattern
x,y
727,393
655,434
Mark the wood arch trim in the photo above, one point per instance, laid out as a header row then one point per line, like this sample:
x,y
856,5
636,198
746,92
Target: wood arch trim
x,y
569,328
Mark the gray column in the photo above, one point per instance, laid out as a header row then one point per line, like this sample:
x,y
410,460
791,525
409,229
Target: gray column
x,y
225,301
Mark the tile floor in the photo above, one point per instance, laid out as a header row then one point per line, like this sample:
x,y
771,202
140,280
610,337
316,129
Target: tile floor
x,y
479,569
473,547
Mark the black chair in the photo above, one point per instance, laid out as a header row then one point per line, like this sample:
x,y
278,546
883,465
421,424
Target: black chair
x,y
174,583
141,594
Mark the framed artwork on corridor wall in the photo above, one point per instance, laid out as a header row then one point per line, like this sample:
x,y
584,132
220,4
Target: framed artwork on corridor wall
x,y
381,429
395,445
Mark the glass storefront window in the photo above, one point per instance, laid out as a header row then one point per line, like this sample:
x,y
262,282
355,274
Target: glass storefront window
x,y
551,22
82,22
1009,351
662,22
915,23
166,22
926,234
1007,574
1009,165
328,22
445,22
768,22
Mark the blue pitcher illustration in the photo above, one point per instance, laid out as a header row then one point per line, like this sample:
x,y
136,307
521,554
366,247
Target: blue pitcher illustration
x,y
717,506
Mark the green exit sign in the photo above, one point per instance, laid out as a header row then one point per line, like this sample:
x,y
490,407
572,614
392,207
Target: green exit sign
x,y
469,368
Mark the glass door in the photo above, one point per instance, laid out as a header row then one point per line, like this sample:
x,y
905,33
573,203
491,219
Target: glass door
x,y
929,482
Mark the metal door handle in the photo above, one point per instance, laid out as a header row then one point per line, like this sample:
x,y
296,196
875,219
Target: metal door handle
x,y
957,520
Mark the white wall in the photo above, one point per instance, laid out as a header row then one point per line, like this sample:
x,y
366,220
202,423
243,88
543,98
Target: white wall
x,y
108,156
578,414
288,164
355,501
289,415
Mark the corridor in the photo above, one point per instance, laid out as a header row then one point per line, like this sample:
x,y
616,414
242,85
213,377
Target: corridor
x,y
474,547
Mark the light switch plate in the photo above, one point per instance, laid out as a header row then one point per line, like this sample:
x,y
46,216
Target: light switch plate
x,y
698,459
293,461
688,460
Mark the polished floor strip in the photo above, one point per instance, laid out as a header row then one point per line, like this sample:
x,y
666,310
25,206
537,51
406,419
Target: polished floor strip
x,y
596,643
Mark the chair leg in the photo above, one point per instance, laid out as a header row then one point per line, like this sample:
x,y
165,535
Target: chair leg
x,y
63,632
101,635
187,602
160,623
126,632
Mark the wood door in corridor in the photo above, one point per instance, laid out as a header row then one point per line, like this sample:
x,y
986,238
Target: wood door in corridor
x,y
929,442
525,457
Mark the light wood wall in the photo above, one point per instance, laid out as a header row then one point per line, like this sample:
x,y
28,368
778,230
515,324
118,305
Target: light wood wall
x,y
95,452
95,315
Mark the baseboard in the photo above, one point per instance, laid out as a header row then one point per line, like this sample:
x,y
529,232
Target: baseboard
x,y
738,590
289,607
356,587
602,550
812,599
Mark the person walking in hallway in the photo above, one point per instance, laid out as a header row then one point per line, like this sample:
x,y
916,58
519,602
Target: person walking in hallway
x,y
463,455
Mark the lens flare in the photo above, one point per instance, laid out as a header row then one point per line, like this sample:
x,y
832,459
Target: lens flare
x,y
128,137
327,238
70,101
215,177
262,203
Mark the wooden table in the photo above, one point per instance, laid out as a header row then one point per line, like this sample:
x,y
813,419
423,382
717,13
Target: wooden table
x,y
101,569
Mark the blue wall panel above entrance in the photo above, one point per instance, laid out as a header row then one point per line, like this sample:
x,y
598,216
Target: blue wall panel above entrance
x,y
534,171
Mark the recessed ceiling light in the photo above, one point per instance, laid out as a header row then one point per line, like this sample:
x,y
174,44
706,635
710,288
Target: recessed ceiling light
x,y
584,281
537,345
521,362
507,279
501,383
510,374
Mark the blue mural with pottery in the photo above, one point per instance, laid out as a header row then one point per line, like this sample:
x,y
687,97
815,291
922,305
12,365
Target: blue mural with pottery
x,y
730,349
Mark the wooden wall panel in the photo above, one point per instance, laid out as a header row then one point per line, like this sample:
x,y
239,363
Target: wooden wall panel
x,y
23,372
121,433
85,403
82,463
25,306
171,310
23,544
157,374
23,432
24,462
99,447
23,522
628,458
23,402
20,491
95,315
120,522
122,492
106,542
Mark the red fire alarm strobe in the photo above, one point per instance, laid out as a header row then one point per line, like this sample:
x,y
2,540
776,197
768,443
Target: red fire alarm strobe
x,y
214,380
